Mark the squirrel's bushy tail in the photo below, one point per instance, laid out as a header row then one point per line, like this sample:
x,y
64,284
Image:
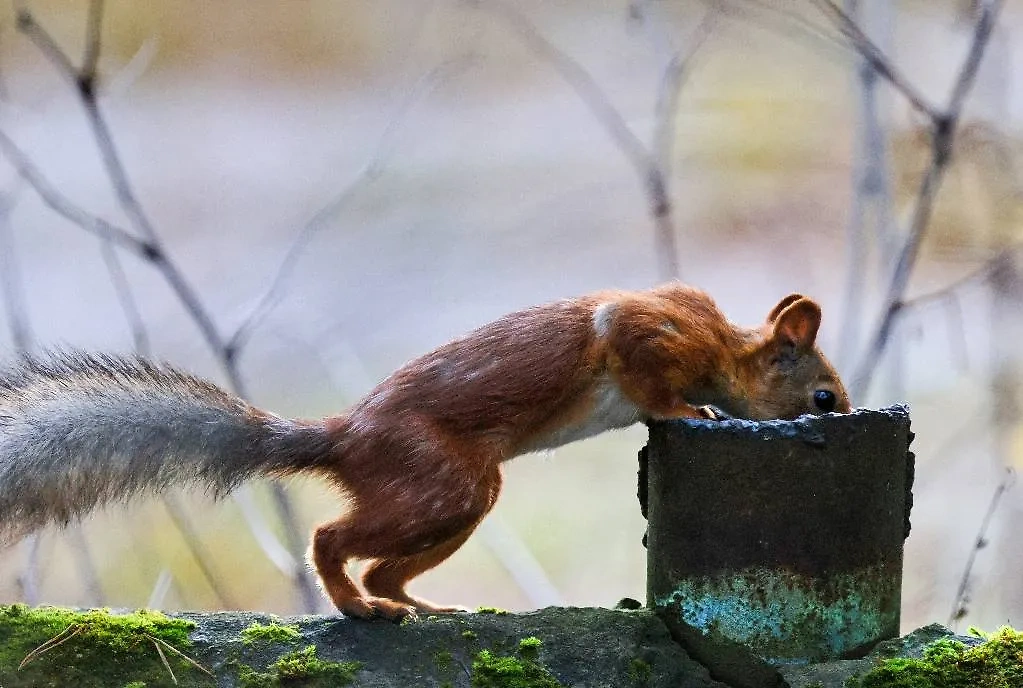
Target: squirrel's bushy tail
x,y
78,430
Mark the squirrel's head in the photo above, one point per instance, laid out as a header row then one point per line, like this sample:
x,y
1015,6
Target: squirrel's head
x,y
783,373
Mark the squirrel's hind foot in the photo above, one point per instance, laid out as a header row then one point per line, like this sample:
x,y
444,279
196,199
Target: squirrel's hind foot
x,y
378,608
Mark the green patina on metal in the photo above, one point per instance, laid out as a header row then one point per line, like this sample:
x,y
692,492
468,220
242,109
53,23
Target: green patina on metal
x,y
789,618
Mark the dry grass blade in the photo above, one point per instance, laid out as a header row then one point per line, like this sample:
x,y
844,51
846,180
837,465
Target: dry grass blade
x,y
163,658
181,654
57,640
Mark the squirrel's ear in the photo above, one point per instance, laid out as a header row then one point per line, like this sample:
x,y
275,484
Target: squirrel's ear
x,y
796,323
782,305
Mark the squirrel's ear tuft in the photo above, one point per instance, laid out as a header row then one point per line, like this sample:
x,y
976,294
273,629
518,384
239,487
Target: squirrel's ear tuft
x,y
782,305
796,323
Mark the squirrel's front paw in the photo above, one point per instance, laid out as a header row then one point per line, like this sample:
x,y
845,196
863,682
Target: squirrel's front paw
x,y
710,413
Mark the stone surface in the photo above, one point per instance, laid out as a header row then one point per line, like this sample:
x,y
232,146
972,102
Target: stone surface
x,y
572,647
834,674
583,647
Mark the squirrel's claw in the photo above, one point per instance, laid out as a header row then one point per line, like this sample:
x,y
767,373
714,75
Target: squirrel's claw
x,y
712,413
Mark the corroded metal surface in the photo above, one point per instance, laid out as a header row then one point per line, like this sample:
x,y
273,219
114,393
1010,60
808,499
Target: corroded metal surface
x,y
784,536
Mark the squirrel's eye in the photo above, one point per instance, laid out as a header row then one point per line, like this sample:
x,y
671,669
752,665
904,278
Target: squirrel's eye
x,y
825,400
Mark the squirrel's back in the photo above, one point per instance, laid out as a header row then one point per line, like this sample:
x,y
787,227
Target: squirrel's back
x,y
78,430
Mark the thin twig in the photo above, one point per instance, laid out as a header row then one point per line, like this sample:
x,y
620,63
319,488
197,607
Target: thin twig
x,y
64,207
179,653
871,196
202,557
959,609
93,40
28,26
647,162
158,594
366,175
875,57
126,297
978,274
663,146
86,566
152,250
581,81
783,20
11,284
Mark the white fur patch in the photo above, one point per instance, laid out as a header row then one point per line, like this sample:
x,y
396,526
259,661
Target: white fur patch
x,y
602,316
611,409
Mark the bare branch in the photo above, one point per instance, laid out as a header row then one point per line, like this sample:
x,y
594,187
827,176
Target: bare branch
x,y
366,175
578,79
871,204
900,277
676,72
202,557
150,249
875,57
979,274
658,174
944,127
93,42
959,609
651,164
989,12
28,26
64,207
11,285
785,21
125,296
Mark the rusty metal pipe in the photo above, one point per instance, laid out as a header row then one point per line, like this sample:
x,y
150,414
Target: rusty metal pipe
x,y
783,536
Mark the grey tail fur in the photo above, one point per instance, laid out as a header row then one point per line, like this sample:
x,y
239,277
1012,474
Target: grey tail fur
x,y
79,430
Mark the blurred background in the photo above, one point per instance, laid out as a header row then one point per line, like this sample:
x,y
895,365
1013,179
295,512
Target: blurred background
x,y
340,186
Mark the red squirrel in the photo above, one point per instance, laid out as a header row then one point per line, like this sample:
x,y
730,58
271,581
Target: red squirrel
x,y
420,456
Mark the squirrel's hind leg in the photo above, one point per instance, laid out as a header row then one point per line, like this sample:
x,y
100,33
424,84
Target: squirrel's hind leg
x,y
388,577
407,532
330,553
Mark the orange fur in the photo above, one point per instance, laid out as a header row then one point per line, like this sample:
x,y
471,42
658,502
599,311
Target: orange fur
x,y
420,455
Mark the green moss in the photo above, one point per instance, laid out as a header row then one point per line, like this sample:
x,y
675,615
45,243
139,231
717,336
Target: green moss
x,y
469,635
490,670
135,684
443,660
639,672
491,610
93,648
996,663
270,633
530,647
300,668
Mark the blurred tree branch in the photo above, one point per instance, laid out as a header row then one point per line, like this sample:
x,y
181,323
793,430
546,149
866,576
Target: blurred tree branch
x,y
20,325
150,247
366,175
872,203
652,164
959,604
944,123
